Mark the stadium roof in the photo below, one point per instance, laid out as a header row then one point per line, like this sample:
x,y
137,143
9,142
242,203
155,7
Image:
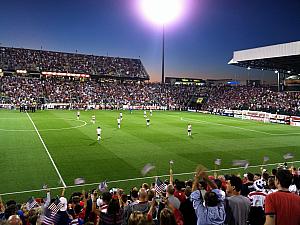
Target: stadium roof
x,y
281,57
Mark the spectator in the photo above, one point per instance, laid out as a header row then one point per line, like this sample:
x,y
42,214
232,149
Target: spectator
x,y
282,207
237,206
212,212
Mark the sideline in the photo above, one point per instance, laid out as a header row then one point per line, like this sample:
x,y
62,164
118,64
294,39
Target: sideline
x,y
50,157
236,127
143,178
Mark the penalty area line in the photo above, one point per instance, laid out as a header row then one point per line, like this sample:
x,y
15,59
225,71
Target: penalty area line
x,y
45,147
143,178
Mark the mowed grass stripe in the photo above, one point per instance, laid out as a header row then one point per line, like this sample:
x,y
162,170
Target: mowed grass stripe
x,y
123,152
46,149
23,164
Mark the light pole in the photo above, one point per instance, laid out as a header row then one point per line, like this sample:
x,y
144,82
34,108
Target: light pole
x,y
162,13
248,69
278,80
163,56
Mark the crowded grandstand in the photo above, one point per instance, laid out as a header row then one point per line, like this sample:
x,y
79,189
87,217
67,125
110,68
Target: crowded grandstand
x,y
38,79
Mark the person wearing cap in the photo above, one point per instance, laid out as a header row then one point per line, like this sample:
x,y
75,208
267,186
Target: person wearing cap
x,y
213,211
282,207
257,198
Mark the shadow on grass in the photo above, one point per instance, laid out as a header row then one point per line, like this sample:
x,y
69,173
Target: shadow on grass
x,y
94,143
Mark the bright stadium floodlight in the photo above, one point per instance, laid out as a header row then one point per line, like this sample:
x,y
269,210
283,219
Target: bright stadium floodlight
x,y
162,12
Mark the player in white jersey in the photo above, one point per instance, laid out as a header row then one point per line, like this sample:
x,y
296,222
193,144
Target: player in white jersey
x,y
119,123
189,130
150,112
145,114
78,114
98,133
121,115
93,120
148,121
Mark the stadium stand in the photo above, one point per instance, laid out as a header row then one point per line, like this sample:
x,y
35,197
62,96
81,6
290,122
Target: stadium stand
x,y
202,201
31,61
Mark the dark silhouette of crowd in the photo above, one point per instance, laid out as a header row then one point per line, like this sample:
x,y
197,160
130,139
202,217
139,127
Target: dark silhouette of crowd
x,y
13,59
255,199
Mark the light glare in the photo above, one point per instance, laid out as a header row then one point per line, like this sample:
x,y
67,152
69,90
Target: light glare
x,y
161,11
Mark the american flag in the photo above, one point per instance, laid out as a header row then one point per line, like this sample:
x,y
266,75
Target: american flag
x,y
266,158
50,213
102,186
159,185
31,203
218,162
288,156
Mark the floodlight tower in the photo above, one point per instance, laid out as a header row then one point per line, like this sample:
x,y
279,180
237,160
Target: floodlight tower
x,y
162,12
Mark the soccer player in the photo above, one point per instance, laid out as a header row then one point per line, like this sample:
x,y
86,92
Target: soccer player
x,y
148,122
98,133
150,112
119,123
93,120
78,114
121,115
145,114
189,130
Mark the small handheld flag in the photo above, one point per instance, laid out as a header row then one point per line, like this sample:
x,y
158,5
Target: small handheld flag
x,y
288,156
240,163
266,158
78,181
103,186
50,213
147,168
218,162
31,203
159,185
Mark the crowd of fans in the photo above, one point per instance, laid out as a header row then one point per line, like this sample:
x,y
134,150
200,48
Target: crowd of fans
x,y
253,98
263,198
15,89
13,59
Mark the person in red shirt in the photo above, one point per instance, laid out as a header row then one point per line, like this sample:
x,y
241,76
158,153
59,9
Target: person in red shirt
x,y
282,207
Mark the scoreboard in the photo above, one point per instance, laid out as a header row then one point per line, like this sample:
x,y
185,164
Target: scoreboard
x,y
184,81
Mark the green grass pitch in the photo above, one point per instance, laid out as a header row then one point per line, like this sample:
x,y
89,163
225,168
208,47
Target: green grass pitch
x,y
122,153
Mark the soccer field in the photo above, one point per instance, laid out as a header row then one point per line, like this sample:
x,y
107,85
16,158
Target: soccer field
x,y
53,147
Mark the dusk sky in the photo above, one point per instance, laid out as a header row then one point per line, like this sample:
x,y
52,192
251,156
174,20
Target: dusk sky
x,y
199,44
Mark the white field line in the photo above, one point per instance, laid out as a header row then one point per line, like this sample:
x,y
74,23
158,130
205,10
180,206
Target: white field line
x,y
50,157
143,178
50,129
241,128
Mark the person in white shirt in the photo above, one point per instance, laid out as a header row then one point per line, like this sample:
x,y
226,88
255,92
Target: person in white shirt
x,y
93,120
145,113
98,133
189,130
119,123
150,112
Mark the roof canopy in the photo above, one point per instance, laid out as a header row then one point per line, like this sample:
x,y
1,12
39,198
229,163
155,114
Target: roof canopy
x,y
281,57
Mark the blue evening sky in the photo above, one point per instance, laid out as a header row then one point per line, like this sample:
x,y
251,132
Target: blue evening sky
x,y
198,45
